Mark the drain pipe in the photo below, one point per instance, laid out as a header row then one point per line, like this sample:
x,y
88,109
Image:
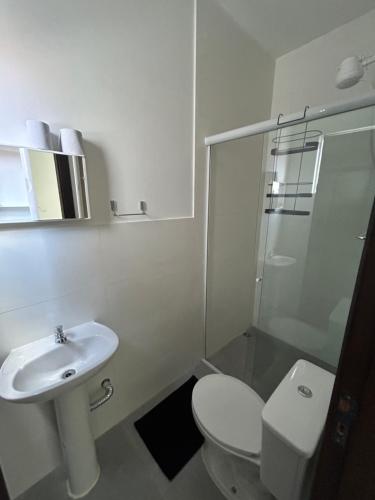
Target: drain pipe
x,y
108,393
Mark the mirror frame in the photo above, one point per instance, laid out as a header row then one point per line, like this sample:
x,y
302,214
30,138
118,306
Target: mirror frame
x,y
80,188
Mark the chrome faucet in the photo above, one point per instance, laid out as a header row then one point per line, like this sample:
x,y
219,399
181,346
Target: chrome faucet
x,y
60,336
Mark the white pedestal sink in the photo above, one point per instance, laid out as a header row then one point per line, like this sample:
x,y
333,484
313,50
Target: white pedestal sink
x,y
44,370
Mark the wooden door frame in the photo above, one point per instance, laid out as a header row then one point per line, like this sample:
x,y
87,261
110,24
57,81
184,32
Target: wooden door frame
x,y
3,489
345,463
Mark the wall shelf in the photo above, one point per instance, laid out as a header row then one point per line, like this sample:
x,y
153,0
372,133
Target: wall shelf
x,y
282,211
7,206
291,195
308,146
292,183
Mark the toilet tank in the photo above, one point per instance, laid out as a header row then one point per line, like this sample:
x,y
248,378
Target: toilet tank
x,y
292,423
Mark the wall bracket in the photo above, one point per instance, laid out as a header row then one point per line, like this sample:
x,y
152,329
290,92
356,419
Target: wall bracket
x,y
142,209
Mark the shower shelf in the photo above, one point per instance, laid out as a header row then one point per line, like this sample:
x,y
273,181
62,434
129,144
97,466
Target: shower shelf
x,y
293,183
309,146
289,195
282,211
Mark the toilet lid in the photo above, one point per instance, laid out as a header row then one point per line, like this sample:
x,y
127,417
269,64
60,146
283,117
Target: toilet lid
x,y
229,411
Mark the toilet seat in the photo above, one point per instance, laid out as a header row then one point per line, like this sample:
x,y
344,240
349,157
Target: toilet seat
x,y
230,413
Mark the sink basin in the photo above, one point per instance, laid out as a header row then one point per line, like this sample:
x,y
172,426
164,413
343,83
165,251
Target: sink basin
x,y
42,370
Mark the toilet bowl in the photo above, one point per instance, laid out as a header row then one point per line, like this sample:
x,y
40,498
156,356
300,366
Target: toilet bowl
x,y
229,415
258,451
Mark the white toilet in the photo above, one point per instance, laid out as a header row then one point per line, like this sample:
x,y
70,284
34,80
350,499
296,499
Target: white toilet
x,y
258,451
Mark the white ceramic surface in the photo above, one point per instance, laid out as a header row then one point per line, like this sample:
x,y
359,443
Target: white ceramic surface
x,y
77,441
236,477
295,419
38,134
33,372
71,141
229,411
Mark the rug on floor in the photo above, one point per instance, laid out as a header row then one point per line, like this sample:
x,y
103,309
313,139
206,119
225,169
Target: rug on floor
x,y
169,430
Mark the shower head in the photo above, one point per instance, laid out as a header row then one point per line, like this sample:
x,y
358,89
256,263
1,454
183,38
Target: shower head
x,y
351,70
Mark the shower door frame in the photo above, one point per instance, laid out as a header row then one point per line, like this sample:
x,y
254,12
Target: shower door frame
x,y
309,114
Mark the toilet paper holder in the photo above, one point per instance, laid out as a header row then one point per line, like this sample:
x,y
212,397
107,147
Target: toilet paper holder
x,y
142,208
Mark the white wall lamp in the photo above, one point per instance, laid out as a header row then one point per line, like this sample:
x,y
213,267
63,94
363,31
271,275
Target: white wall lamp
x,y
351,71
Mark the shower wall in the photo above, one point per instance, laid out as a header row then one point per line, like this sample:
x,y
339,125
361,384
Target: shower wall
x,y
307,75
229,94
342,205
232,231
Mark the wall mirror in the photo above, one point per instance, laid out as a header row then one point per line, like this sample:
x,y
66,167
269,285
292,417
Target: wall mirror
x,y
37,185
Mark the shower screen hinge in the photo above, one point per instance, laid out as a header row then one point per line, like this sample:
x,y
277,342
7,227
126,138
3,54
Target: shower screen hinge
x,y
258,279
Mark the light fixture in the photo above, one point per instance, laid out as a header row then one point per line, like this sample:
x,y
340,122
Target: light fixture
x,y
351,70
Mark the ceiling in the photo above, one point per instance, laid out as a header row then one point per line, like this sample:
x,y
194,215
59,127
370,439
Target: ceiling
x,y
280,26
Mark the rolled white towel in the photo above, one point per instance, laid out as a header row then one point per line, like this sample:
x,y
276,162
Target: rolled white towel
x,y
71,141
38,133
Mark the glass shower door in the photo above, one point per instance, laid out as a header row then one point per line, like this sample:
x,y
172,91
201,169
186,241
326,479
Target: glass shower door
x,y
319,193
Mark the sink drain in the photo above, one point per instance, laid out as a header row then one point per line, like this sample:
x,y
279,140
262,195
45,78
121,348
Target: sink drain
x,y
68,373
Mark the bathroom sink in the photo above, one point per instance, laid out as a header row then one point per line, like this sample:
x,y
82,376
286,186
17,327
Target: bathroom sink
x,y
55,368
43,370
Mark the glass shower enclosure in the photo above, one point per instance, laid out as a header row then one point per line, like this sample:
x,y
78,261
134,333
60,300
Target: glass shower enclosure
x,y
284,244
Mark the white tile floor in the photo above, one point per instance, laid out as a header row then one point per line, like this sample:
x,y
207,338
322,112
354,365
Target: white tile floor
x,y
128,472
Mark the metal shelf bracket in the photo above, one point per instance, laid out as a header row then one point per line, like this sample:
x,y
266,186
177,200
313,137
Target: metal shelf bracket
x,y
142,208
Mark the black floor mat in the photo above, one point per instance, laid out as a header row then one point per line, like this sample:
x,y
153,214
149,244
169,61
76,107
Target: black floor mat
x,y
169,430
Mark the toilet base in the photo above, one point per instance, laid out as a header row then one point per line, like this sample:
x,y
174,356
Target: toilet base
x,y
235,477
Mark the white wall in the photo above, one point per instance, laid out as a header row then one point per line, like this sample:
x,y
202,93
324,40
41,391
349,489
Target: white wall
x,y
137,278
230,94
306,76
122,72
